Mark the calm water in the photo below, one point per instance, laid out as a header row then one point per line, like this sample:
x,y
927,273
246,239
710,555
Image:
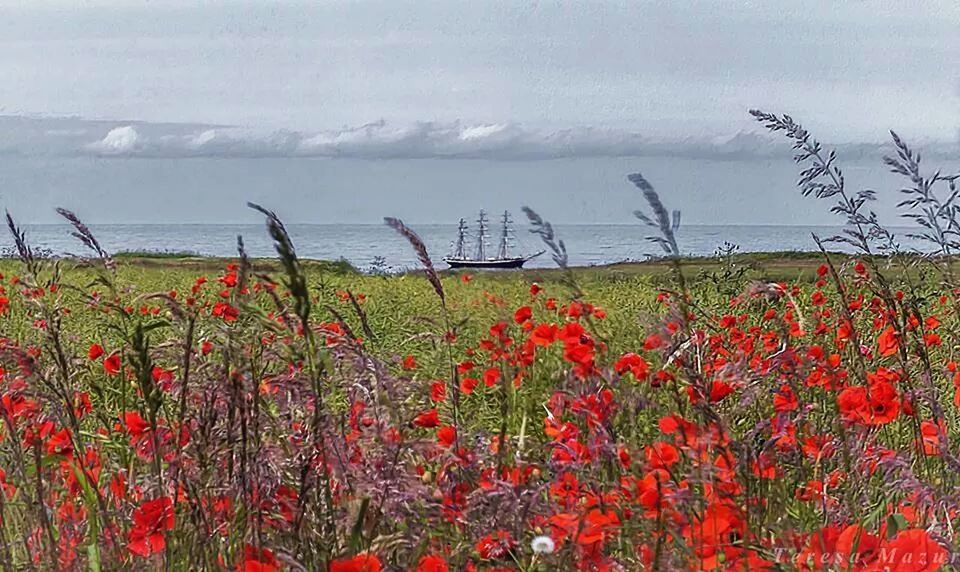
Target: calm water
x,y
361,243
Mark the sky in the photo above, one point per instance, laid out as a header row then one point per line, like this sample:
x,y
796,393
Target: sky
x,y
666,69
91,86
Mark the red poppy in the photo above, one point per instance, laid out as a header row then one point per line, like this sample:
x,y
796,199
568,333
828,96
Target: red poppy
x,y
432,563
888,343
96,350
446,435
491,376
597,527
359,563
438,391
857,547
134,424
258,560
468,384
910,550
229,280
111,365
718,390
931,436
662,455
60,443
409,363
877,405
522,314
427,419
633,363
495,545
785,400
653,341
150,521
225,311
544,334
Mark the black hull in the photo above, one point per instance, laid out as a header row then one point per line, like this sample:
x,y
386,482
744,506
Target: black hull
x,y
508,263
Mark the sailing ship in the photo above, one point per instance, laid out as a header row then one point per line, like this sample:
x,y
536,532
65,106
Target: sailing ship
x,y
460,258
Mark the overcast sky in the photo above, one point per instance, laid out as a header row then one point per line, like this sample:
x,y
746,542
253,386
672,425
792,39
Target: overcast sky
x,y
668,69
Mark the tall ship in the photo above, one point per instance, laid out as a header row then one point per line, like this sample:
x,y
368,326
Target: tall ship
x,y
462,257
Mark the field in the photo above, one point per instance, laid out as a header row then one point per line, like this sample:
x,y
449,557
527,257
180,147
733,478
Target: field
x,y
752,412
604,452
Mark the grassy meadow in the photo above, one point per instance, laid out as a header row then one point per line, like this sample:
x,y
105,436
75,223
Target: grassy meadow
x,y
767,412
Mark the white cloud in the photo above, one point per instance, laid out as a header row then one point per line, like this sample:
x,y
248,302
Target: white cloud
x,y
499,141
437,140
119,141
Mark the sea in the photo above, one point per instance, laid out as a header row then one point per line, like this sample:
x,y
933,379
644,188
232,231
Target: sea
x,y
376,247
334,207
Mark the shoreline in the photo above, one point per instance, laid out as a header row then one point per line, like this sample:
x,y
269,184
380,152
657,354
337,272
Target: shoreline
x,y
763,261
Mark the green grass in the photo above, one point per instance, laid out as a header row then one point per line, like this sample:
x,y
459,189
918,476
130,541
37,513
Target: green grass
x,y
401,308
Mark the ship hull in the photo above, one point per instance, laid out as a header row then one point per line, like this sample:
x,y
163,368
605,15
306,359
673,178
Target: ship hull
x,y
503,263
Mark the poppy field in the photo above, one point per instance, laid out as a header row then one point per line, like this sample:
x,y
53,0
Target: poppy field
x,y
282,415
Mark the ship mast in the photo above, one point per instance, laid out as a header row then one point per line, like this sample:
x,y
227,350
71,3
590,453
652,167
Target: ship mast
x,y
482,236
504,236
461,238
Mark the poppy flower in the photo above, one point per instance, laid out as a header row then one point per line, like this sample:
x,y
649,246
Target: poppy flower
x,y
718,390
446,435
544,334
888,343
597,527
96,350
857,547
60,443
432,563
911,550
359,563
491,376
258,560
111,365
468,384
409,362
662,455
931,436
653,342
150,521
225,311
634,364
522,314
785,400
438,391
134,424
427,419
877,405
495,545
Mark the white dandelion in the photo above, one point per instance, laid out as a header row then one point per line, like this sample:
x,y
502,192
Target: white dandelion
x,y
542,545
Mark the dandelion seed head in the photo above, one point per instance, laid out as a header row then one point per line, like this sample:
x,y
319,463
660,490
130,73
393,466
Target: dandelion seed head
x,y
542,545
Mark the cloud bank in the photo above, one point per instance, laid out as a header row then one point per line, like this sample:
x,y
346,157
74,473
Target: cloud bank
x,y
382,140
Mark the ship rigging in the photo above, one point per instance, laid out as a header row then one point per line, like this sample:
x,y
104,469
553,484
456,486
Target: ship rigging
x,y
503,259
